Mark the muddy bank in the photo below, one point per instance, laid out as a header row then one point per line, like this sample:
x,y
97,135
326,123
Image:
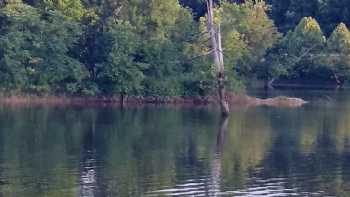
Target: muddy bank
x,y
128,101
234,100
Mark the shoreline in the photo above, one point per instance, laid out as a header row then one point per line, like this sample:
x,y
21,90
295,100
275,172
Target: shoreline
x,y
241,100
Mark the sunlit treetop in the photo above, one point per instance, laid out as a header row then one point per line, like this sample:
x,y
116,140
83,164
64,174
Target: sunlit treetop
x,y
307,36
72,9
308,26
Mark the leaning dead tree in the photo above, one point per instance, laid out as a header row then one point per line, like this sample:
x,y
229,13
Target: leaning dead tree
x,y
217,53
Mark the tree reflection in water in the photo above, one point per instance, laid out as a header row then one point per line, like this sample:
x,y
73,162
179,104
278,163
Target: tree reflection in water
x,y
97,152
205,185
88,182
216,162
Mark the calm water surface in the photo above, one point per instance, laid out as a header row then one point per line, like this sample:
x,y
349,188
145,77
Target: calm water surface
x,y
159,151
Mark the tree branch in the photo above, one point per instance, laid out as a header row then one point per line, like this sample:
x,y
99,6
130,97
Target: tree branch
x,y
193,58
304,54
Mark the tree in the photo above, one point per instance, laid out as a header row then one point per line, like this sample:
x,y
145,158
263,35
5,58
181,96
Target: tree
x,y
120,73
277,64
35,51
247,34
299,9
303,47
279,14
217,52
329,13
72,9
129,47
198,7
256,30
297,54
337,57
165,44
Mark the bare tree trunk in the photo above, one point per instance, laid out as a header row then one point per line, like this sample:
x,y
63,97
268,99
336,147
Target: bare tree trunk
x,y
337,80
122,100
216,44
269,83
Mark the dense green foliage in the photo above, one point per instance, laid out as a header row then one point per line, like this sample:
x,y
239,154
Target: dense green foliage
x,y
305,53
160,48
338,53
34,52
329,13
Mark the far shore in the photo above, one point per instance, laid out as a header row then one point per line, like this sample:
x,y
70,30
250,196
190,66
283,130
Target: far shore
x,y
233,99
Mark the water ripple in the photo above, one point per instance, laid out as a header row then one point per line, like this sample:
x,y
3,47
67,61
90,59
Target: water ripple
x,y
257,187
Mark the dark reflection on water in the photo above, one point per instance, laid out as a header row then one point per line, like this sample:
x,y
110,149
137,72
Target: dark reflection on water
x,y
75,151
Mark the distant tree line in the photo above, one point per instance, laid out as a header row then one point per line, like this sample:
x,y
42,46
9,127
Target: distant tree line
x,y
160,48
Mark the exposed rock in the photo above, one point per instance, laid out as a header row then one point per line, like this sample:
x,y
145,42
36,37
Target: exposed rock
x,y
281,101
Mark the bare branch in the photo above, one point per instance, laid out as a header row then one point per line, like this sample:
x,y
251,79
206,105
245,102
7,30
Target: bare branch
x,y
201,55
192,58
118,10
304,54
194,37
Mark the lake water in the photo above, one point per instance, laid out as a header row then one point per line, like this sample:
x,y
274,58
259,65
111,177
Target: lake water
x,y
168,151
